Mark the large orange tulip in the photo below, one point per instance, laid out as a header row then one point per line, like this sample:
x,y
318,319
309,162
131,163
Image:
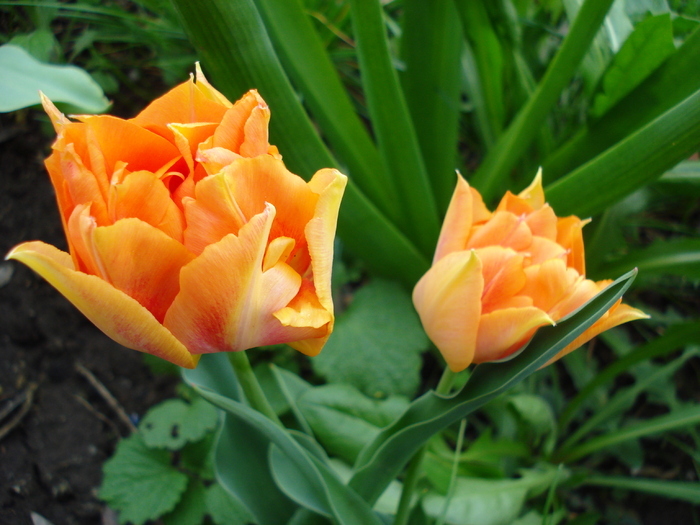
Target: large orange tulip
x,y
187,234
499,276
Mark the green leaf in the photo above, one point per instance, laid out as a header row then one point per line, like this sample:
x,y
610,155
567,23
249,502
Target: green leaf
x,y
174,422
674,81
489,502
140,482
301,475
392,125
675,337
292,387
344,420
307,62
431,43
680,418
382,460
673,257
537,418
41,44
679,490
376,344
23,77
640,158
237,53
512,144
224,509
192,507
649,45
243,445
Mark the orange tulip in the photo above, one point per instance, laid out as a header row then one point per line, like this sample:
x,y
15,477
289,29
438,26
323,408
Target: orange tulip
x,y
187,234
497,277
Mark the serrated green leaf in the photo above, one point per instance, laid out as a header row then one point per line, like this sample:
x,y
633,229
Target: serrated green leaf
x,y
376,344
344,420
23,77
382,460
224,509
191,508
175,422
649,45
141,482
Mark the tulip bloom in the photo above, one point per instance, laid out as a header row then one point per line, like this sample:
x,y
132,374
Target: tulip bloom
x,y
187,234
497,277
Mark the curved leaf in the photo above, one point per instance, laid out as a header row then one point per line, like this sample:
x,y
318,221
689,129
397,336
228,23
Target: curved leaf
x,y
382,460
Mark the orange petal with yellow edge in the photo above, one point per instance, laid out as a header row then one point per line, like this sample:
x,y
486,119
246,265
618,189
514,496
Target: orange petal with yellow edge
x,y
549,283
534,193
502,332
570,236
308,323
457,225
232,132
141,261
143,195
112,311
448,301
226,301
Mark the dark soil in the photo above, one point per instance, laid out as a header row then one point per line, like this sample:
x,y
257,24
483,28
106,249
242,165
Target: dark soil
x,y
53,444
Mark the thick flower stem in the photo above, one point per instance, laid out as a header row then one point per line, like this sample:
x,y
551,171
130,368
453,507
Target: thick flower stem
x,y
251,388
415,466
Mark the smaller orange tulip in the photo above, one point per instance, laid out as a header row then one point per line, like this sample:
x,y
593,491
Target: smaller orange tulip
x,y
187,234
499,276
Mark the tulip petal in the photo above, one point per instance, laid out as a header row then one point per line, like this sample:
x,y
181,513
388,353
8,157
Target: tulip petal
x,y
502,332
141,261
112,311
183,104
448,301
457,225
549,283
244,127
143,195
570,236
309,323
543,222
534,193
188,137
220,310
503,273
504,229
542,249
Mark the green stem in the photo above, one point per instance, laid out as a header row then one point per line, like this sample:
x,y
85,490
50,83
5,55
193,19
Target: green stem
x,y
415,466
251,388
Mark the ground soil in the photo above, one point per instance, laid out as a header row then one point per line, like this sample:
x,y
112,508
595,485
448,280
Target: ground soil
x,y
63,429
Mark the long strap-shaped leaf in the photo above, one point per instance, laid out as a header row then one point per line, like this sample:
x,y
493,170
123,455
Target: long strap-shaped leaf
x,y
301,474
673,82
305,59
382,460
236,50
431,44
392,124
513,143
640,158
241,449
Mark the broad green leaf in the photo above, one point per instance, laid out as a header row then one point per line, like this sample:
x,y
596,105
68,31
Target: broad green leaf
x,y
649,45
308,64
23,77
674,81
240,443
224,509
680,490
487,501
140,482
292,387
675,337
392,125
377,343
382,460
638,159
174,422
681,418
430,49
191,508
299,474
237,53
41,44
512,144
674,257
344,420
